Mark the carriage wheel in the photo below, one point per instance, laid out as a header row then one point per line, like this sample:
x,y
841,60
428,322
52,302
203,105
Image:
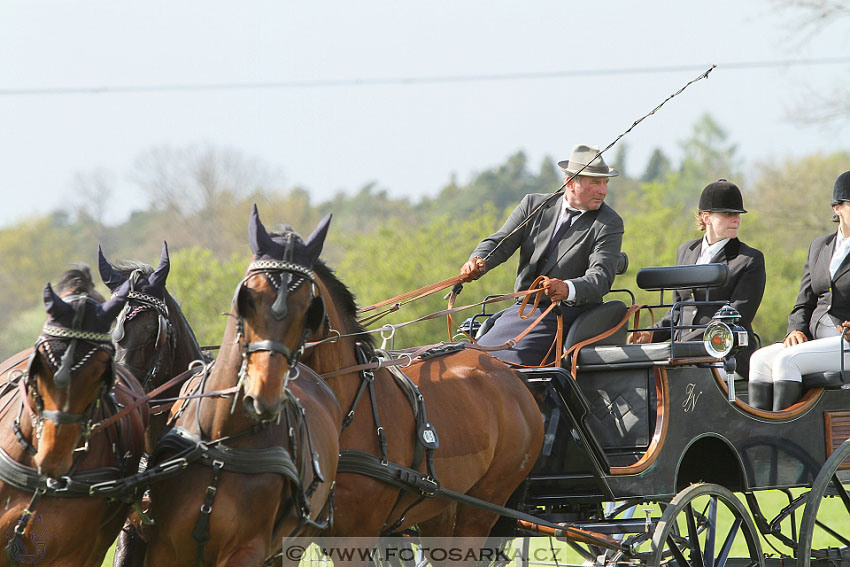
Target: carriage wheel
x,y
823,529
702,521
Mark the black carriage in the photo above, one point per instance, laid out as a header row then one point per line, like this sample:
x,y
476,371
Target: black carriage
x,y
646,446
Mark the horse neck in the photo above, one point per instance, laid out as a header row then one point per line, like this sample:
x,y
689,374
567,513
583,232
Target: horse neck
x,y
329,357
332,356
186,346
9,406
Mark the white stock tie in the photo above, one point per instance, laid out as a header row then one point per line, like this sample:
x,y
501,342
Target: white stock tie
x,y
841,249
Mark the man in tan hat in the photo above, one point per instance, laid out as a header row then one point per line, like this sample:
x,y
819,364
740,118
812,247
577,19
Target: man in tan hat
x,y
572,237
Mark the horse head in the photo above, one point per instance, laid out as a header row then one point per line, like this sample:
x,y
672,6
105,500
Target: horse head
x,y
70,369
143,334
277,306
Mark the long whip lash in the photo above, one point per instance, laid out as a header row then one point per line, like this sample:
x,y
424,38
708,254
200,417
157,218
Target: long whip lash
x,y
608,147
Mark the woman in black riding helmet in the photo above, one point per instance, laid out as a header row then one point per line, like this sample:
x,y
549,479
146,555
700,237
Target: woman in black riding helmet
x,y
719,216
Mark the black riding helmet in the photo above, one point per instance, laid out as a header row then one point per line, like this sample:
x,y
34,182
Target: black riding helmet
x,y
841,190
722,196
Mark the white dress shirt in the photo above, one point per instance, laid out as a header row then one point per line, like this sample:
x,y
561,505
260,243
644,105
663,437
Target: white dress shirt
x,y
709,251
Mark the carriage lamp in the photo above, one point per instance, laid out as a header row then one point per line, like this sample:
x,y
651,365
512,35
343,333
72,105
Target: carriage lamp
x,y
724,336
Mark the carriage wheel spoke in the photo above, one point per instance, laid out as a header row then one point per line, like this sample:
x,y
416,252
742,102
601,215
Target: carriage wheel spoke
x,y
842,492
693,536
711,533
677,553
832,532
727,543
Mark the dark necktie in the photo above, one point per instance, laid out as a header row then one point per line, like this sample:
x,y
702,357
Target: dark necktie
x,y
560,229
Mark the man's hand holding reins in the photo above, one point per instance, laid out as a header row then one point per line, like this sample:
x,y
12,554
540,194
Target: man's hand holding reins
x,y
473,269
556,289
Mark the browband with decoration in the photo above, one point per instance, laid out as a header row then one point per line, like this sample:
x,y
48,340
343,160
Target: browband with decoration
x,y
153,301
260,265
63,333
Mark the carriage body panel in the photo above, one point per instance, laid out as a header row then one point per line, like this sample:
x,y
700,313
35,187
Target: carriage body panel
x,y
647,433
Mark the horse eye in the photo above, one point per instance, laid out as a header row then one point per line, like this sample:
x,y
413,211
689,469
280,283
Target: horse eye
x,y
246,300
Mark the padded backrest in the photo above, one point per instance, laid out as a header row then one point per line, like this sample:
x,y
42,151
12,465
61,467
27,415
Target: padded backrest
x,y
596,321
622,264
682,277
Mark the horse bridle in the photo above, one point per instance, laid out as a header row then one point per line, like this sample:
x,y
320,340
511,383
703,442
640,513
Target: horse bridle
x,y
164,334
64,367
314,319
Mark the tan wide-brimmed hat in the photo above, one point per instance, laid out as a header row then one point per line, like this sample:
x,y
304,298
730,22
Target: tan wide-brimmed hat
x,y
581,156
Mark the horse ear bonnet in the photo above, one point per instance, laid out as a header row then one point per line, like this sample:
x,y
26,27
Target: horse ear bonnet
x,y
80,313
288,248
111,278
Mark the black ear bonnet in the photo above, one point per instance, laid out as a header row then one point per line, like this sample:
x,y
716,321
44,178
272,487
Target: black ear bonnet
x,y
286,261
72,320
147,291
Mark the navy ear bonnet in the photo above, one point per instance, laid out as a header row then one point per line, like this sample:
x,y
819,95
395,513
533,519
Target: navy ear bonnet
x,y
288,247
82,312
151,283
292,259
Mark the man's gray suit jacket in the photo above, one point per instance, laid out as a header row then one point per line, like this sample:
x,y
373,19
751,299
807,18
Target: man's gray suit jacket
x,y
587,254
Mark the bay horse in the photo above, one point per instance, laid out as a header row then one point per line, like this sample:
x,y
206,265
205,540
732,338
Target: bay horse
x,y
489,425
155,342
62,485
262,431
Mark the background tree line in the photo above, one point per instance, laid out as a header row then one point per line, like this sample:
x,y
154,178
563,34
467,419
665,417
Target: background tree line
x,y
382,246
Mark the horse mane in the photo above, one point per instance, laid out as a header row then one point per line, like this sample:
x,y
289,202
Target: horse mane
x,y
344,300
76,280
127,267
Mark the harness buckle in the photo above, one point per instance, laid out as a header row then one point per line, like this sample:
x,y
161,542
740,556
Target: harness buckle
x,y
174,465
58,484
428,486
102,487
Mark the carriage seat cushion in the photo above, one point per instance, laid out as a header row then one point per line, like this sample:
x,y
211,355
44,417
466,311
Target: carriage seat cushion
x,y
637,355
828,380
597,320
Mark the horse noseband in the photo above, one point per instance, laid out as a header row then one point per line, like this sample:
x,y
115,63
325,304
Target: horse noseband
x,y
272,346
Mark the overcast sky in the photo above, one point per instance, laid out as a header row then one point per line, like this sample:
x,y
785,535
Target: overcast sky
x,y
334,95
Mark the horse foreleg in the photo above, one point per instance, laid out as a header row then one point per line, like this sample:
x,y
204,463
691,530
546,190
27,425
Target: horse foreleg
x,y
441,525
129,548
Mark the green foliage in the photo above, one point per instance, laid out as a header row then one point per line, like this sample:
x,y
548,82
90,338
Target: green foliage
x,y
22,332
204,285
393,260
503,186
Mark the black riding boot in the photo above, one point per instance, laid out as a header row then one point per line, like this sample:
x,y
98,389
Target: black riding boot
x,y
786,393
760,395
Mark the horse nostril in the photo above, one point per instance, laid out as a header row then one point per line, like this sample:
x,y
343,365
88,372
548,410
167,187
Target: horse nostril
x,y
254,405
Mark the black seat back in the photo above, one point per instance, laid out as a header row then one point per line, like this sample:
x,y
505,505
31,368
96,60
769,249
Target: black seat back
x,y
596,321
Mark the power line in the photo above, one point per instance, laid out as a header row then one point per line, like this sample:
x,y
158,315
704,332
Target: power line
x,y
434,79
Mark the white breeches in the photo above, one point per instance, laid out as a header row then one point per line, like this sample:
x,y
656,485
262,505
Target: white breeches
x,y
776,362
